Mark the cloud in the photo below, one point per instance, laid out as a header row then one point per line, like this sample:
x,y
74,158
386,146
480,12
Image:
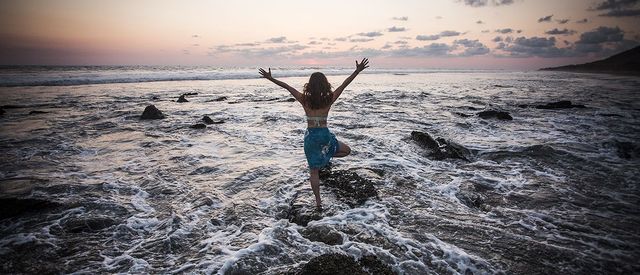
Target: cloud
x,y
618,8
370,34
497,39
433,49
342,39
438,36
247,44
280,39
482,3
562,21
438,17
556,31
585,20
472,47
427,37
195,36
485,31
545,19
479,22
506,30
449,33
396,29
314,43
401,42
534,46
401,18
360,40
601,35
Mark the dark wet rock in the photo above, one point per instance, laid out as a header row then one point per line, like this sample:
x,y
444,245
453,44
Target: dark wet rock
x,y
182,99
190,93
207,120
350,188
470,198
563,104
323,234
523,105
151,112
626,150
221,98
291,99
440,148
462,114
303,214
88,224
155,97
198,126
2,111
36,112
14,207
495,114
335,263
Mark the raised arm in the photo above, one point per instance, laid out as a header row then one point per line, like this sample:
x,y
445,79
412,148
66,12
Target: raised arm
x,y
359,68
291,90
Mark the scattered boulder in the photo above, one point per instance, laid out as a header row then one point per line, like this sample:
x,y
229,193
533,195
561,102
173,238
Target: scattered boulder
x,y
198,126
440,148
350,188
182,99
221,98
323,234
335,263
207,120
495,114
151,112
563,104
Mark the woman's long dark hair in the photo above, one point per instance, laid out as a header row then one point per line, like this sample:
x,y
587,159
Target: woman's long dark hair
x,y
317,93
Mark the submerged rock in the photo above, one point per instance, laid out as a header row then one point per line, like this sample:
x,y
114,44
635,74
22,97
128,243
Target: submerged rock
x,y
495,114
323,234
151,112
208,120
626,150
335,263
440,148
182,99
563,104
221,98
350,188
198,126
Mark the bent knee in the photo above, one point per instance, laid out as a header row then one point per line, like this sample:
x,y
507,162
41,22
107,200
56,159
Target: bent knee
x,y
346,150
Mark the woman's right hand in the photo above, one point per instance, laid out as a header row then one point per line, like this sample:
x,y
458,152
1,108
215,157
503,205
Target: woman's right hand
x,y
362,65
265,74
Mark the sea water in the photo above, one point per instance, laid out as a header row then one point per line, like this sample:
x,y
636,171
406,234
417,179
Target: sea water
x,y
557,190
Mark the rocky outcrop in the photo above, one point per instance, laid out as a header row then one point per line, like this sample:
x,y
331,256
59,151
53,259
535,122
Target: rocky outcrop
x,y
495,114
182,99
37,112
208,120
198,126
151,112
335,263
563,104
13,207
323,234
89,224
349,187
440,148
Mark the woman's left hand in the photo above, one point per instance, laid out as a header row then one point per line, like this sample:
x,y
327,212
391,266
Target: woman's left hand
x,y
265,74
362,65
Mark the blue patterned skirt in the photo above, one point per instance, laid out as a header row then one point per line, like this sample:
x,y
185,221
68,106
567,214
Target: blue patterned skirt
x,y
319,146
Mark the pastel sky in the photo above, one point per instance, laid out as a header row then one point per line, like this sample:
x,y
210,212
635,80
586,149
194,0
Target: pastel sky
x,y
477,34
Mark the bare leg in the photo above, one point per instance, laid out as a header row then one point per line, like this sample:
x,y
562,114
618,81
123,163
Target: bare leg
x,y
315,186
343,150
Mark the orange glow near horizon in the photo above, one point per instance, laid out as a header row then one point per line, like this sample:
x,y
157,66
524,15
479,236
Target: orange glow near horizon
x,y
247,33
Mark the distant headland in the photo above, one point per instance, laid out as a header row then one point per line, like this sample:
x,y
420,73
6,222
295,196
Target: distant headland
x,y
627,62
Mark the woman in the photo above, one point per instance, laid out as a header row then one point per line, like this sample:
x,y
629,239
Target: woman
x,y
320,145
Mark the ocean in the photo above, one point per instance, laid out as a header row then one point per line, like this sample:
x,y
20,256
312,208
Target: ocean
x,y
88,187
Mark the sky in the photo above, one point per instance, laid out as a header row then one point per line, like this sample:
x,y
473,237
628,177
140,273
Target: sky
x,y
452,34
